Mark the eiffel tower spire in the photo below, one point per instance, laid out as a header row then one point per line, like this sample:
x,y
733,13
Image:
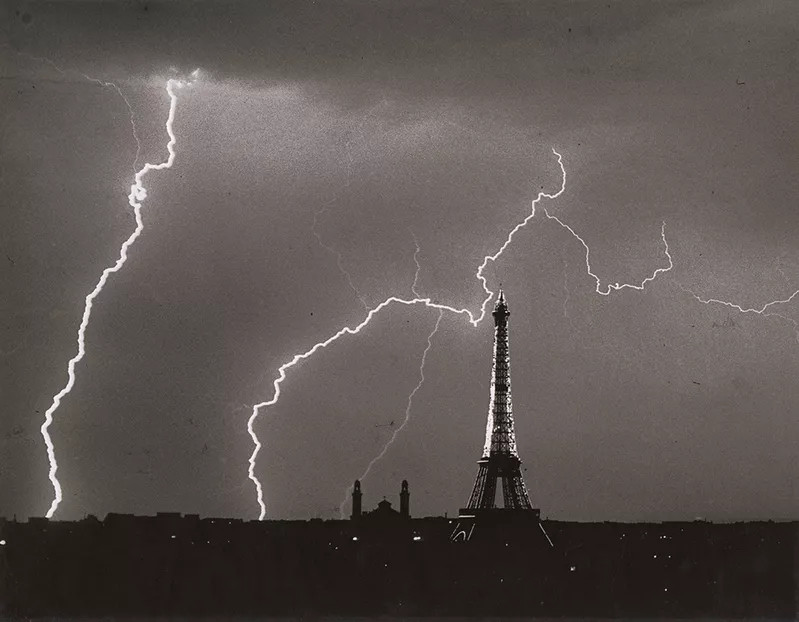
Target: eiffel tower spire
x,y
500,459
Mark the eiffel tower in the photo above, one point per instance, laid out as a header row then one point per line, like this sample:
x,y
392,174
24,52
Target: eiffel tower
x,y
500,459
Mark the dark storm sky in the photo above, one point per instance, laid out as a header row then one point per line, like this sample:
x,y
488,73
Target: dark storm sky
x,y
402,118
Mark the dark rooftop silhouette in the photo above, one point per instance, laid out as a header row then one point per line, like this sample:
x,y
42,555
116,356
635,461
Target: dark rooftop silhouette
x,y
188,565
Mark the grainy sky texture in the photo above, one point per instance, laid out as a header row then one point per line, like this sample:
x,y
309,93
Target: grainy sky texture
x,y
385,120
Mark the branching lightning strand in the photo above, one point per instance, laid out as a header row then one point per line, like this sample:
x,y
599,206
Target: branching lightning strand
x,y
415,284
761,311
338,255
617,286
326,207
106,84
407,418
473,320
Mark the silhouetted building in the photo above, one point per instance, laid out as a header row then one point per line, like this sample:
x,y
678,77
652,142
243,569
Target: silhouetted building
x,y
383,511
356,500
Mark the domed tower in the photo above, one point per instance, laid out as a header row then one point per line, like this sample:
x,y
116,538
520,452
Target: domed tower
x,y
356,500
405,500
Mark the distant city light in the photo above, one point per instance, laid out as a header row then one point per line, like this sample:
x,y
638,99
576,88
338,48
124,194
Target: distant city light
x,y
2,542
572,568
354,538
417,538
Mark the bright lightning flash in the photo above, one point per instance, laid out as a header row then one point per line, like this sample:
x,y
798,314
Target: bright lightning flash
x,y
137,195
427,302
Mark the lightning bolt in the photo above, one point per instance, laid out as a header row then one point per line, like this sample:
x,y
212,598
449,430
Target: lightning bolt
x,y
336,253
615,286
418,265
473,319
137,195
399,428
509,239
761,311
326,207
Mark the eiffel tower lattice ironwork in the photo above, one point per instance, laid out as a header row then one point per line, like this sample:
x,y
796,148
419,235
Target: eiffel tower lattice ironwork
x,y
500,459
